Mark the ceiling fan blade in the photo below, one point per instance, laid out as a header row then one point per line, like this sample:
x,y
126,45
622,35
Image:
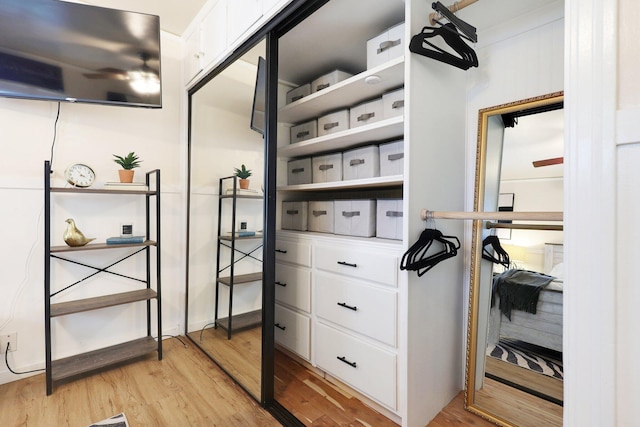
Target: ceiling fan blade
x,y
107,73
548,162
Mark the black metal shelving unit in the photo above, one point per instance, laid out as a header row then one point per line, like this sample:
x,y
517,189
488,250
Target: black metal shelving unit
x,y
245,320
72,366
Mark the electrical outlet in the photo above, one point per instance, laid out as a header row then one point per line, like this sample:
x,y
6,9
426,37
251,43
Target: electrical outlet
x,y
11,339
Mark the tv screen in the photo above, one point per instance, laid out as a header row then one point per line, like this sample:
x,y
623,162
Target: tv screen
x,y
259,97
54,50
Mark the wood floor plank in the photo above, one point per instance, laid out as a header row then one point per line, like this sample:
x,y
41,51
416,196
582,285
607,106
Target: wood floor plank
x,y
185,388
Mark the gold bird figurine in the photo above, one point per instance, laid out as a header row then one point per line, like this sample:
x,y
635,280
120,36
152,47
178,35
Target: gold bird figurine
x,y
73,236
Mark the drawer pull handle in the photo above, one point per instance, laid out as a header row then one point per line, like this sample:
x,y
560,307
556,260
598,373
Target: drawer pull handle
x,y
292,212
319,213
297,170
366,116
397,156
301,134
356,162
282,328
323,86
387,45
347,264
350,214
329,126
397,104
295,98
345,305
282,251
394,214
281,284
344,359
325,167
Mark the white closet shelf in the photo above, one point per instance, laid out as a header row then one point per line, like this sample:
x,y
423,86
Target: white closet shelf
x,y
346,93
379,131
383,181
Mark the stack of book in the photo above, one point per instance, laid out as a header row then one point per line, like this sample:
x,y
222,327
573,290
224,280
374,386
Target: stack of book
x,y
247,192
124,240
135,186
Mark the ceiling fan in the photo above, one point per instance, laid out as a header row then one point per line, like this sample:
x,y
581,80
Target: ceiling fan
x,y
548,162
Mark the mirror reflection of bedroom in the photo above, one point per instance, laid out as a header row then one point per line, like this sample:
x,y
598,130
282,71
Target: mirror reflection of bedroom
x,y
520,327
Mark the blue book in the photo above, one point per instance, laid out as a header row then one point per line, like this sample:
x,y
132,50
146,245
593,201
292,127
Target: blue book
x,y
124,240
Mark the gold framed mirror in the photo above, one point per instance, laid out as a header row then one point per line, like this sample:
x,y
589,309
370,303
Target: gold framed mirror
x,y
508,380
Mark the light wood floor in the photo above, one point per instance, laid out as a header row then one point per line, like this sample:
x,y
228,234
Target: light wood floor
x,y
184,389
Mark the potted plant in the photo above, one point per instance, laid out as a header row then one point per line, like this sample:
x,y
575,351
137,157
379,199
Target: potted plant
x,y
128,163
243,173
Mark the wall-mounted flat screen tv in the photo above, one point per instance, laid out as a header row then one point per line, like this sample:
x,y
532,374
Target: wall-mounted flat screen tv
x,y
60,51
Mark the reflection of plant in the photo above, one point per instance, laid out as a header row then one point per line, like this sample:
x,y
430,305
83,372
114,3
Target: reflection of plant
x,y
129,162
243,172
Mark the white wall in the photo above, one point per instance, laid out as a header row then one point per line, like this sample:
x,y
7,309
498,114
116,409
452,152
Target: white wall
x,y
91,134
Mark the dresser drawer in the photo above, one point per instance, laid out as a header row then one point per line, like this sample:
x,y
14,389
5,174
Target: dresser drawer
x,y
357,262
364,309
365,367
293,252
293,286
293,331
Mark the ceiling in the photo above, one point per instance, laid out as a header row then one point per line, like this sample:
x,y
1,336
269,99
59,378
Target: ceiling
x,y
175,16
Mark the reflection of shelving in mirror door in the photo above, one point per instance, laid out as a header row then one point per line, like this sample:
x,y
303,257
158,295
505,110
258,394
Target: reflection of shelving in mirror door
x,y
145,290
240,244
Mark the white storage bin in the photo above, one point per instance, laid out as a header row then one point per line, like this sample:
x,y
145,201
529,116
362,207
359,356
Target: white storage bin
x,y
361,163
321,216
392,158
299,171
327,168
304,131
386,46
333,122
295,215
366,113
298,93
355,217
329,79
393,104
389,219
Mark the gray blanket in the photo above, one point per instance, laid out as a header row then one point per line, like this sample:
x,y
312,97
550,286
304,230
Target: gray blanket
x,y
519,290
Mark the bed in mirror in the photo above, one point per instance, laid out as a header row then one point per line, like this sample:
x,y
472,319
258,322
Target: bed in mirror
x,y
514,354
223,137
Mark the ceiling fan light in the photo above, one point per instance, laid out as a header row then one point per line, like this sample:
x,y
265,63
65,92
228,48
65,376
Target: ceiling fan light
x,y
144,82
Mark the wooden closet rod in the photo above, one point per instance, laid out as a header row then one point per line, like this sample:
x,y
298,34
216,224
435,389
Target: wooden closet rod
x,y
545,227
460,4
488,216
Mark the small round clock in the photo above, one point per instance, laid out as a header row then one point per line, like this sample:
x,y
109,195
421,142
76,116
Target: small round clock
x,y
80,175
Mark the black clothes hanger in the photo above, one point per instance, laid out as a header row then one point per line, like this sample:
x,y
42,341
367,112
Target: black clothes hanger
x,y
420,44
466,28
501,256
421,258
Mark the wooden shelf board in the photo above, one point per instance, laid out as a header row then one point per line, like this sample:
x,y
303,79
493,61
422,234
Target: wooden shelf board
x,y
99,191
346,93
383,181
228,238
70,307
383,130
101,358
241,196
241,278
95,246
242,321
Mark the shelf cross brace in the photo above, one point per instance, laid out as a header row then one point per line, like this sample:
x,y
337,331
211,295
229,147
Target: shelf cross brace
x,y
99,270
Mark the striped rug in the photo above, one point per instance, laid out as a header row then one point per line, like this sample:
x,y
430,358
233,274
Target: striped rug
x,y
537,359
